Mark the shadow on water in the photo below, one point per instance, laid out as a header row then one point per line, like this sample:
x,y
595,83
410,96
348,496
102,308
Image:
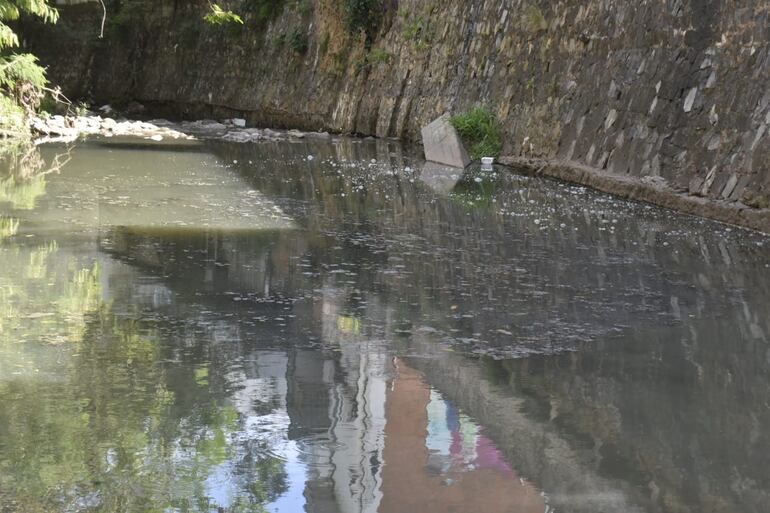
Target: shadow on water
x,y
336,326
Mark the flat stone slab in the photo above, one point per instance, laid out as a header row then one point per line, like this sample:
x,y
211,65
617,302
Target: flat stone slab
x,y
442,144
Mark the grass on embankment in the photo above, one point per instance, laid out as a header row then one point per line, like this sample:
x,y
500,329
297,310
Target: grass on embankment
x,y
480,131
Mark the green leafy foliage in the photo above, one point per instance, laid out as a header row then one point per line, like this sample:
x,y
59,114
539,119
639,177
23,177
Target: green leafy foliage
x,y
480,131
414,28
417,26
298,41
21,68
218,16
362,16
373,58
49,105
378,55
7,36
21,77
10,10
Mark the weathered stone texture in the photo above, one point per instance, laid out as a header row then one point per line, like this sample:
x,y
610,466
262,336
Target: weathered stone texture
x,y
443,145
668,88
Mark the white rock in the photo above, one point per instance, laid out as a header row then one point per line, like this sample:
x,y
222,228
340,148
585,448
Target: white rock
x,y
690,100
713,116
612,116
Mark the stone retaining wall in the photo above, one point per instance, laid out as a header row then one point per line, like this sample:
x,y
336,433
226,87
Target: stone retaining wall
x,y
674,90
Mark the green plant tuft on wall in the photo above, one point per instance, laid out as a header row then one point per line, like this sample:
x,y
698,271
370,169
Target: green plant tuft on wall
x,y
298,41
480,131
379,56
535,20
362,16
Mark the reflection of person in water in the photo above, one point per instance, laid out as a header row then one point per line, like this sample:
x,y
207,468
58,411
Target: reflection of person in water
x,y
456,443
437,459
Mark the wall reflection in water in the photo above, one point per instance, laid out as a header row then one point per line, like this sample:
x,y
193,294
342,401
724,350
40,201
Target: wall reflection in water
x,y
383,338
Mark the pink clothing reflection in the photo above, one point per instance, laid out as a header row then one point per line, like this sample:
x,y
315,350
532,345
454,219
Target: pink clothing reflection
x,y
437,459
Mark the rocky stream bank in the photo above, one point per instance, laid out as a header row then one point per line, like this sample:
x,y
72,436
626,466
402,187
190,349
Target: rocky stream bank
x,y
69,128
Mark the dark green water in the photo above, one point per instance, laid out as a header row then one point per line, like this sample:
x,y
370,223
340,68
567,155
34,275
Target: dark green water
x,y
334,327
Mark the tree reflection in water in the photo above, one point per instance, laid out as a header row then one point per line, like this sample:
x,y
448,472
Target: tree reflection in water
x,y
152,367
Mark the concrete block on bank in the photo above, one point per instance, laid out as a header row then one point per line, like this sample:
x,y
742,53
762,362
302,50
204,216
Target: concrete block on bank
x,y
442,144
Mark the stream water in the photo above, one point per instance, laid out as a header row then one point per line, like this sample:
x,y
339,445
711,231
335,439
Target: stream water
x,y
339,327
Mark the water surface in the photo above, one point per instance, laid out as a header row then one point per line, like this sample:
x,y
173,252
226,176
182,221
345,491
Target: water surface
x,y
338,327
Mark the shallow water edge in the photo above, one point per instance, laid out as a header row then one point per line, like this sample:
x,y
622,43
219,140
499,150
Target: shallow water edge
x,y
646,189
